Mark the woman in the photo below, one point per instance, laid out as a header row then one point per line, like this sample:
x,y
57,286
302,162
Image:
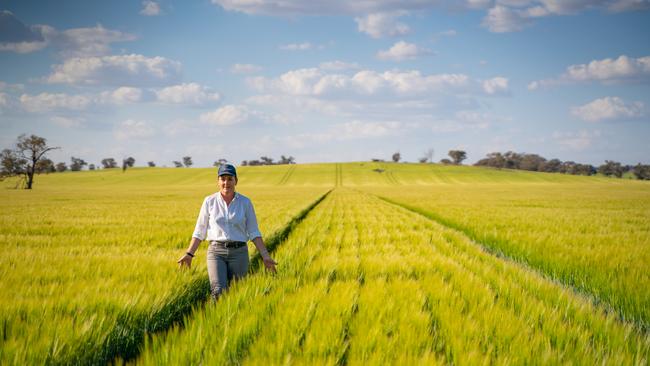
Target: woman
x,y
227,220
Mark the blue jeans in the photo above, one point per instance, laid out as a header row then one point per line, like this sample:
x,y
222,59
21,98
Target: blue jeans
x,y
224,265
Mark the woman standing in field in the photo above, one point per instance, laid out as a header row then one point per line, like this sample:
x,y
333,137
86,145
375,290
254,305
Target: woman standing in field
x,y
227,220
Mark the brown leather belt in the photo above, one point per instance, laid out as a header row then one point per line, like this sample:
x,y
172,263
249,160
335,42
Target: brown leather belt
x,y
229,244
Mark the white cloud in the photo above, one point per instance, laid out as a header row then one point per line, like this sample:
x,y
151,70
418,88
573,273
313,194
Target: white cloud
x,y
150,8
77,42
623,69
67,122
124,70
578,141
497,85
501,19
297,46
122,95
609,108
132,129
363,83
245,69
401,51
338,65
191,94
227,115
379,25
45,102
82,42
4,99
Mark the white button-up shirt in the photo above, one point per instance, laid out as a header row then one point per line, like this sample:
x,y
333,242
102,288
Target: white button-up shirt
x,y
219,221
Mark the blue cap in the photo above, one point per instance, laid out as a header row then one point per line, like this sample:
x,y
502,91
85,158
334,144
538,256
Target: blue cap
x,y
227,169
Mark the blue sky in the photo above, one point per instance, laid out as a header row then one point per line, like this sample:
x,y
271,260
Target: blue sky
x,y
327,81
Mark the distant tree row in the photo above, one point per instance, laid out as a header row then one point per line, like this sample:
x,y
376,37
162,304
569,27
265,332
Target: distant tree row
x,y
265,160
535,162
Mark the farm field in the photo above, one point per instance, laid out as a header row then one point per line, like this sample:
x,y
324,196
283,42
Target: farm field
x,y
400,263
86,255
364,282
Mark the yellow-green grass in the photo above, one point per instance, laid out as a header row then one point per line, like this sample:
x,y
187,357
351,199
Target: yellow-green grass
x,y
85,252
362,281
594,236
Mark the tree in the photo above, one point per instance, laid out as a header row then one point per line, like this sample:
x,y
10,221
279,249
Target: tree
x,y
177,164
187,161
127,163
457,156
243,163
109,163
24,159
151,164
287,160
45,166
266,160
445,161
397,157
641,171
428,157
77,164
130,162
61,167
91,167
611,168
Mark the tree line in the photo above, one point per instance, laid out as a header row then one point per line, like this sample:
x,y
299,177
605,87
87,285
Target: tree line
x,y
535,162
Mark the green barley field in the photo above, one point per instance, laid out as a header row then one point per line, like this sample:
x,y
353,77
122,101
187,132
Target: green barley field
x,y
379,263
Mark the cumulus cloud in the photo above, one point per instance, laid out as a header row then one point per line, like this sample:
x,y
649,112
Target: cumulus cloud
x,y
301,7
133,130
623,69
188,94
502,15
124,70
150,8
318,83
245,69
379,25
296,46
609,108
401,51
77,42
227,115
18,37
45,102
496,85
338,65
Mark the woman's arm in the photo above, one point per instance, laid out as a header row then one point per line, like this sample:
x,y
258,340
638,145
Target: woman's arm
x,y
269,263
186,259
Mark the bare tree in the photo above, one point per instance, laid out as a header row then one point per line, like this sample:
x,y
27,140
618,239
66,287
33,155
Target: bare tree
x,y
187,161
24,159
457,156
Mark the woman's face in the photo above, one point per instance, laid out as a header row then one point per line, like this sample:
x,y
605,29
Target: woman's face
x,y
227,184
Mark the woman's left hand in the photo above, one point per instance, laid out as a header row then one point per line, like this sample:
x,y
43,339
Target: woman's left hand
x,y
269,263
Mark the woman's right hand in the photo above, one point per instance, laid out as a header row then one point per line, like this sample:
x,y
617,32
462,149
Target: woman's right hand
x,y
185,261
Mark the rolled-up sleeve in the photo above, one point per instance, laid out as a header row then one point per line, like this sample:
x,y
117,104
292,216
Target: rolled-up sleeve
x,y
252,229
201,228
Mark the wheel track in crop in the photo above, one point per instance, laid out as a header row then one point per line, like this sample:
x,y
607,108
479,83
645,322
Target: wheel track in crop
x,y
125,341
500,255
287,175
